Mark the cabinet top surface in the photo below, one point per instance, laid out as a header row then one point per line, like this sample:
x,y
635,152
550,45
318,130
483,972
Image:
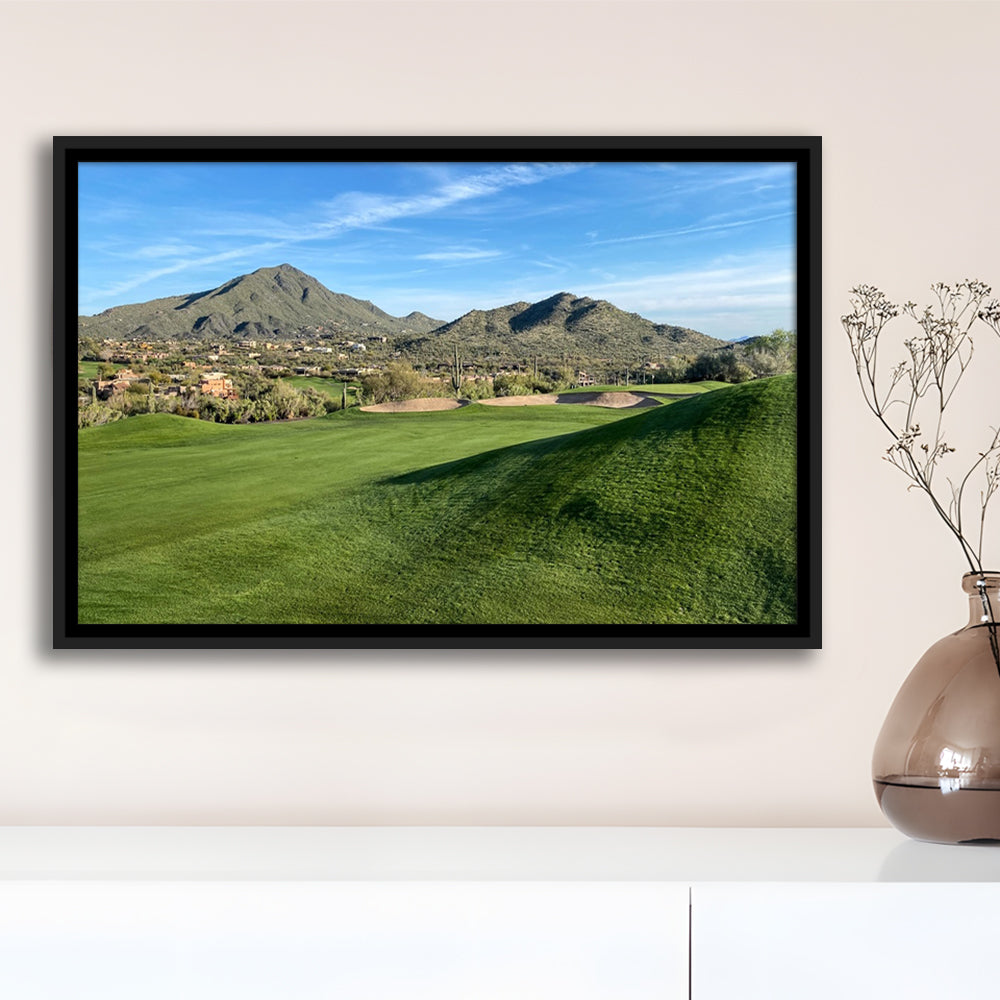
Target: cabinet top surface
x,y
488,854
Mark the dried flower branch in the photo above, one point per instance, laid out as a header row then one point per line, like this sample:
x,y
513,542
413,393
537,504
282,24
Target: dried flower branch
x,y
910,400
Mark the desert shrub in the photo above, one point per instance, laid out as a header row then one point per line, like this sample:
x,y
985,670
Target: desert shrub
x,y
96,414
772,354
721,366
510,384
674,369
480,389
398,381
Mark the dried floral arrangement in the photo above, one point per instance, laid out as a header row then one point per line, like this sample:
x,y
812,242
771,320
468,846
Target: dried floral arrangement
x,y
911,398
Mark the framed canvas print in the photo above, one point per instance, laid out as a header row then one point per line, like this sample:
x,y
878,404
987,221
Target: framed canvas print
x,y
403,392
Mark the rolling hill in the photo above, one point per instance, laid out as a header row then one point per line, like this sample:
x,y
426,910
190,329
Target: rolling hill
x,y
681,514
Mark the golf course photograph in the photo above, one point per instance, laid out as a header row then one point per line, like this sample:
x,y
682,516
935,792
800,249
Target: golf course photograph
x,y
525,390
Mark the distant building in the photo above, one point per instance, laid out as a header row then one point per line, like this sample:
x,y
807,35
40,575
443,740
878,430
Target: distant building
x,y
112,387
217,384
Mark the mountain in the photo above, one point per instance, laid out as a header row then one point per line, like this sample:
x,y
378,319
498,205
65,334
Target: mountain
x,y
271,302
283,302
562,324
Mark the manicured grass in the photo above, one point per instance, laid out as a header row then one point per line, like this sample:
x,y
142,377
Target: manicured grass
x,y
88,369
557,514
178,518
664,388
328,386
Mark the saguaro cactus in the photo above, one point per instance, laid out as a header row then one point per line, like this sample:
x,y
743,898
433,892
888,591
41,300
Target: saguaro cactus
x,y
456,375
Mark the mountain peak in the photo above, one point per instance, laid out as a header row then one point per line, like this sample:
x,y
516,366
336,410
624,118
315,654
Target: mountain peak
x,y
280,301
564,324
278,267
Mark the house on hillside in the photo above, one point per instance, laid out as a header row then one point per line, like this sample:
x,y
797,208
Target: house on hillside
x,y
217,384
112,387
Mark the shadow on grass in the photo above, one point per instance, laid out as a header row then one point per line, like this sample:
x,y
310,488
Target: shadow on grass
x,y
653,417
530,451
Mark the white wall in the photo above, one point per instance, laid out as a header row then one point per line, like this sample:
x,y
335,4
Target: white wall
x,y
904,95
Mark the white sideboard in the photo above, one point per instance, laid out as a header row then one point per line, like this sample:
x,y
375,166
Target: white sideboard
x,y
493,914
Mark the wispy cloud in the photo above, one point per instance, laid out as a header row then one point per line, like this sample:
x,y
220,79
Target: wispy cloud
x,y
783,206
111,293
158,251
459,254
694,179
742,279
687,230
347,212
733,296
361,210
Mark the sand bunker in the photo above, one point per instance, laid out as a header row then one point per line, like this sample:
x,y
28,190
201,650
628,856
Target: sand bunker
x,y
416,405
538,399
617,400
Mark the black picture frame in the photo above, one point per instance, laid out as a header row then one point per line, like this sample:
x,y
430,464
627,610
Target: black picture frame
x,y
803,153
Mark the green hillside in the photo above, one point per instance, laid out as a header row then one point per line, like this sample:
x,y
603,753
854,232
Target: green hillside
x,y
679,513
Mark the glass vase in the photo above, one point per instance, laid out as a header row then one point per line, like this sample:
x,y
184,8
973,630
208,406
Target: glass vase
x,y
936,766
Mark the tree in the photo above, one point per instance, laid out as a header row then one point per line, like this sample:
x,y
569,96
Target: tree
x,y
396,382
675,368
252,385
509,384
772,353
720,366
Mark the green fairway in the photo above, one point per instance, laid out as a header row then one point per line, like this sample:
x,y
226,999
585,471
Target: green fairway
x,y
88,369
562,514
328,386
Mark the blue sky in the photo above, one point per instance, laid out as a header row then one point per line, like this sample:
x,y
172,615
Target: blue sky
x,y
708,246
